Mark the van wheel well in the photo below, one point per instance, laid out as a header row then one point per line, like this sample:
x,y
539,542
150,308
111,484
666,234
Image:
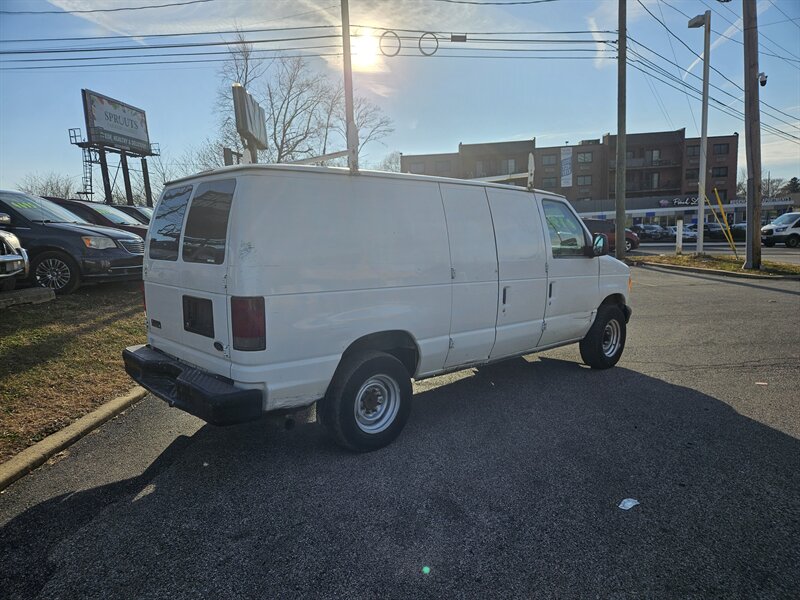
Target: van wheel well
x,y
399,344
617,300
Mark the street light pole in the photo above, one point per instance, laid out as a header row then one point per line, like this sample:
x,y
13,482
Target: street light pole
x,y
619,228
752,128
351,132
698,21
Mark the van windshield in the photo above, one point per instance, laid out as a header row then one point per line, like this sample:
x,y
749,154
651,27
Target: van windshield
x,y
785,219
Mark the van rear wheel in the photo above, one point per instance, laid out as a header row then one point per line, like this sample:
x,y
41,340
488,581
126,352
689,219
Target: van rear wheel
x,y
368,402
603,345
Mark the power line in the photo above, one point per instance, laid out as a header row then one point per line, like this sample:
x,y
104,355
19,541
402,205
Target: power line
x,y
764,50
675,56
765,36
164,46
493,3
99,10
793,117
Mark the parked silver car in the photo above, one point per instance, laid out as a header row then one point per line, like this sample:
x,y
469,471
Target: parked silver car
x,y
13,261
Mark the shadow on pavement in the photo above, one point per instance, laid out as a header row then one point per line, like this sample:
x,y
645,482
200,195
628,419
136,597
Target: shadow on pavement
x,y
505,483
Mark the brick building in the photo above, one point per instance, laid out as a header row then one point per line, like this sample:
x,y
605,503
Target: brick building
x,y
662,169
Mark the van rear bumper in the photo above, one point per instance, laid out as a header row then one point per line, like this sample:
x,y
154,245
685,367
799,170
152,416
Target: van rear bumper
x,y
192,390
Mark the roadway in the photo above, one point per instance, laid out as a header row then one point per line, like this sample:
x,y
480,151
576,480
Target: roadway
x,y
779,253
505,483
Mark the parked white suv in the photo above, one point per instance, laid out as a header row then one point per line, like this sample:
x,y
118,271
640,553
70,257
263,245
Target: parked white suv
x,y
271,287
785,229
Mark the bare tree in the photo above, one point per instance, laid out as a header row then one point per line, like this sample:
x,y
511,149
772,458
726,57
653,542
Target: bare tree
x,y
390,162
52,184
371,123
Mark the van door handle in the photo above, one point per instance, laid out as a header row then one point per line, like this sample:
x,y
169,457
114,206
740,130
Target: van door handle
x,y
550,292
505,294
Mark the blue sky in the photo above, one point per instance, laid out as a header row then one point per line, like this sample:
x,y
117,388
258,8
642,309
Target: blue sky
x,y
435,102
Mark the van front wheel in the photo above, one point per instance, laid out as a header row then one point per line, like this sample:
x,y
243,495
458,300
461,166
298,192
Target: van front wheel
x,y
603,345
368,402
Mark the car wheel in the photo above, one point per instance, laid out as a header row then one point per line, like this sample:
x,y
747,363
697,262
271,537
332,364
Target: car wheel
x,y
368,402
628,246
792,241
57,271
603,345
8,284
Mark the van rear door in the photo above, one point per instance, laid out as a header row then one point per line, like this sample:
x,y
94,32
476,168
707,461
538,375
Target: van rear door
x,y
186,274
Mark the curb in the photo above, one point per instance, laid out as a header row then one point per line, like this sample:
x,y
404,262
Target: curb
x,y
648,265
36,455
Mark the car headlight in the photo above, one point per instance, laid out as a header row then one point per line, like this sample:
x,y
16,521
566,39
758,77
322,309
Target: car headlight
x,y
98,242
779,229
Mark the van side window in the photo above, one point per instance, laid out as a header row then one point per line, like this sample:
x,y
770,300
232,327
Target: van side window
x,y
566,233
207,224
165,230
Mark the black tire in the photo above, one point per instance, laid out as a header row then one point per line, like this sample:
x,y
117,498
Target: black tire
x,y
792,241
55,270
348,423
603,345
8,284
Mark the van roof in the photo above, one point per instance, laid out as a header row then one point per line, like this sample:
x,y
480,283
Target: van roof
x,y
260,168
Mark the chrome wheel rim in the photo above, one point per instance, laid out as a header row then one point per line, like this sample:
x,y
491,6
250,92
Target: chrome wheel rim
x,y
377,403
628,245
53,273
612,338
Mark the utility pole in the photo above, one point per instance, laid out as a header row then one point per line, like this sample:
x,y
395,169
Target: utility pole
x,y
622,51
698,21
752,129
352,132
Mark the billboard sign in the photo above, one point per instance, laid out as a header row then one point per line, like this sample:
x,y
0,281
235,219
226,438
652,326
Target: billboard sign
x,y
566,167
251,121
115,124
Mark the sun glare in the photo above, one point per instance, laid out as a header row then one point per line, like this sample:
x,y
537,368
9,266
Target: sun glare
x,y
365,52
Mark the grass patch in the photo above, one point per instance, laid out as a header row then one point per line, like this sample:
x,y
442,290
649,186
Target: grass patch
x,y
62,359
722,263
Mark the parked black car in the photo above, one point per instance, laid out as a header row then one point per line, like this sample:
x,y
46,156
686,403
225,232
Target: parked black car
x,y
63,249
103,214
143,214
650,232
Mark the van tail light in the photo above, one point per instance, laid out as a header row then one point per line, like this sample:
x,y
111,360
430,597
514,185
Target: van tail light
x,y
249,323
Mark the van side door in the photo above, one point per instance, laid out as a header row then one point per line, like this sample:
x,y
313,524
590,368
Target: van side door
x,y
522,289
473,258
573,278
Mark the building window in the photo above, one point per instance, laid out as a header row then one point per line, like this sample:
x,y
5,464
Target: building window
x,y
550,183
629,154
654,156
417,167
508,166
587,199
692,174
721,148
693,151
723,195
652,180
719,172
549,159
481,168
443,167
584,180
584,157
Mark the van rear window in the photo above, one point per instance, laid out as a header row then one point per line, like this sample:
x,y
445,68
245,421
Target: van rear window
x,y
165,230
207,224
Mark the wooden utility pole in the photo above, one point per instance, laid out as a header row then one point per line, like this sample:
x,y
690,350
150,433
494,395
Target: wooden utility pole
x,y
752,129
622,51
352,132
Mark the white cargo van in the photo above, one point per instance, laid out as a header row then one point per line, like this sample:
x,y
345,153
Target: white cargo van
x,y
271,287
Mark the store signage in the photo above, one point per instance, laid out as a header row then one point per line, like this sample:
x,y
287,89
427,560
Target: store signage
x,y
566,167
692,201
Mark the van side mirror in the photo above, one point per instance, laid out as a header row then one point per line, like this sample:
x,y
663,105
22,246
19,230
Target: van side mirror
x,y
4,219
599,246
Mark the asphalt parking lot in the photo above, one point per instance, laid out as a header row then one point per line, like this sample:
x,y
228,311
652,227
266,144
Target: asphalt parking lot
x,y
505,483
778,253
